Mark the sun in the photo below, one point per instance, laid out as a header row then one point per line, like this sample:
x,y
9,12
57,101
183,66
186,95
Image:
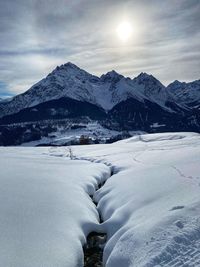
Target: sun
x,y
124,31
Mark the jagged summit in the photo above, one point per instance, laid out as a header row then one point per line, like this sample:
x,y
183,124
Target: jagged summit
x,y
68,65
144,75
70,69
111,76
71,65
175,84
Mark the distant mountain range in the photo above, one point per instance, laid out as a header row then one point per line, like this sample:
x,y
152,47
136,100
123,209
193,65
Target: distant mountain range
x,y
116,102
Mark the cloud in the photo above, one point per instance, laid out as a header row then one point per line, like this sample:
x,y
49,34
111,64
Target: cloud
x,y
3,90
37,35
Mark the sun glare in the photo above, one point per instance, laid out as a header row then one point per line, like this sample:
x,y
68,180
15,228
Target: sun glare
x,y
124,31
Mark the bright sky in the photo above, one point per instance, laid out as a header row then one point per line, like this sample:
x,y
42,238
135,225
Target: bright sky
x,y
153,36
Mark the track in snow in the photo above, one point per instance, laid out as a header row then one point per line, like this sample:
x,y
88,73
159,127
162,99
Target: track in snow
x,y
93,249
184,251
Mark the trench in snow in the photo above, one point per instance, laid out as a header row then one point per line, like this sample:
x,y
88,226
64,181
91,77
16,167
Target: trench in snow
x,y
93,249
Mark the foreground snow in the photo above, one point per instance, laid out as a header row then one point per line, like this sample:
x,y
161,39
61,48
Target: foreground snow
x,y
150,206
45,210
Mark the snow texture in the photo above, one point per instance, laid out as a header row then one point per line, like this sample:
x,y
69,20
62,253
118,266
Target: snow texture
x,y
150,205
46,213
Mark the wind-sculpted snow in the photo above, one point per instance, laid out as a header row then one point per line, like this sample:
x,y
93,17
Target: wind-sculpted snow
x,y
45,209
151,207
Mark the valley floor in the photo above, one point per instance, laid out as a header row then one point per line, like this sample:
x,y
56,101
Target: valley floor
x,y
148,202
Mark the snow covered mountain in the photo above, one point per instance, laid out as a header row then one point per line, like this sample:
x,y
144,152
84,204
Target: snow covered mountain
x,y
186,94
70,81
116,102
106,91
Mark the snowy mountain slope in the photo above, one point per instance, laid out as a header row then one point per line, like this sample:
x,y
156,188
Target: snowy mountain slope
x,y
39,122
141,88
56,109
66,80
186,94
150,206
70,81
132,114
151,88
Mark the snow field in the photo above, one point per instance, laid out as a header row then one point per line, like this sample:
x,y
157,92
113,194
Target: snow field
x,y
46,211
151,207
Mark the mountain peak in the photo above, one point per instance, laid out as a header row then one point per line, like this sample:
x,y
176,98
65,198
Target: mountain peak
x,y
70,65
175,83
111,76
68,70
67,66
144,76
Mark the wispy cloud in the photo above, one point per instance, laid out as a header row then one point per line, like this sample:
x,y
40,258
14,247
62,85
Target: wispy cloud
x,y
37,35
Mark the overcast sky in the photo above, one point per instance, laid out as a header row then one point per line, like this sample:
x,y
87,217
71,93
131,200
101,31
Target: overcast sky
x,y
38,35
